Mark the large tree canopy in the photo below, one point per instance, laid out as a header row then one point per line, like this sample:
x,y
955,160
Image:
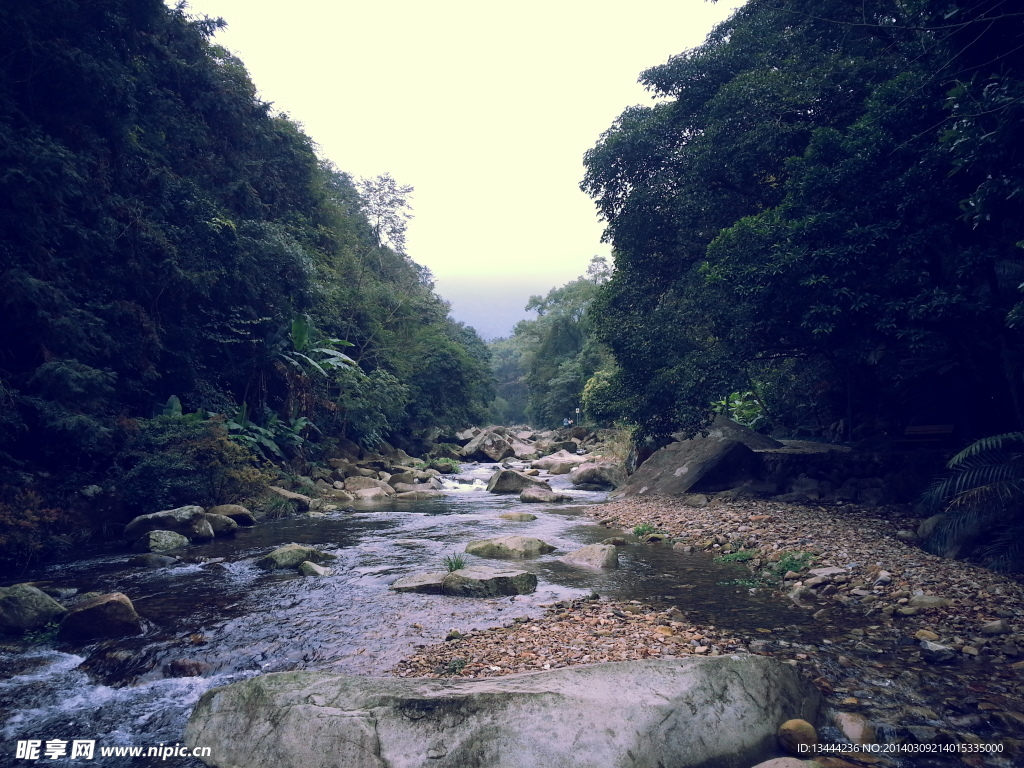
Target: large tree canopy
x,y
825,205
164,233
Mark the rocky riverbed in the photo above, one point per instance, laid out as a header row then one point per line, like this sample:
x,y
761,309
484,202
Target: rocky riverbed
x,y
908,648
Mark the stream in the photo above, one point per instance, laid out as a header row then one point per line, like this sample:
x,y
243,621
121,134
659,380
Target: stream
x,y
218,619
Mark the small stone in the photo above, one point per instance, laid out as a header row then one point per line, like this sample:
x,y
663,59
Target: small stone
x,y
998,627
308,568
926,634
794,733
969,650
936,653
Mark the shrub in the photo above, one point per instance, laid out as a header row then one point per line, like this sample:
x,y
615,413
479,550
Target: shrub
x,y
170,461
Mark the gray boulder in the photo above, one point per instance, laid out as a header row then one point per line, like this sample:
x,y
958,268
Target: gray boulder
x,y
606,474
594,556
101,617
539,495
302,502
509,546
291,555
700,465
423,493
684,713
236,512
484,581
562,457
24,607
488,446
725,428
159,541
190,521
222,525
355,484
510,481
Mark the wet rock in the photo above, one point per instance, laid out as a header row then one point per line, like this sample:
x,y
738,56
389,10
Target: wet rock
x,y
24,607
794,733
856,728
483,581
105,616
542,495
616,541
186,668
692,712
291,555
509,546
510,481
309,568
936,653
189,521
518,517
159,541
594,556
421,494
236,512
424,583
151,560
222,524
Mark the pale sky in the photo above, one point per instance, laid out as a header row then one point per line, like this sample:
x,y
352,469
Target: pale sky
x,y
485,108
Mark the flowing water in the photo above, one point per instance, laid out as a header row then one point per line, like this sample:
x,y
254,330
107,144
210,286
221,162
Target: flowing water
x,y
221,617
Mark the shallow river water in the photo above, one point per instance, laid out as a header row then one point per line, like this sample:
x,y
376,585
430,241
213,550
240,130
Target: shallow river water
x,y
225,618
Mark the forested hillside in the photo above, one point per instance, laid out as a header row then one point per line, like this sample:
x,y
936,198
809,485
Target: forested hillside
x,y
541,370
178,265
823,208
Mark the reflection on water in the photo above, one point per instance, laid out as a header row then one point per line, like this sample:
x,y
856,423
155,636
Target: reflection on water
x,y
222,619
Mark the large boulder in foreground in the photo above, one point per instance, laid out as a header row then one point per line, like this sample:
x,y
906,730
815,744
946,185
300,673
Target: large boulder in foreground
x,y
475,581
509,546
701,465
24,607
190,521
684,713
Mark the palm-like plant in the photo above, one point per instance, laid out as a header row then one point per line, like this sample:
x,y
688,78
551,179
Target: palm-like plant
x,y
982,503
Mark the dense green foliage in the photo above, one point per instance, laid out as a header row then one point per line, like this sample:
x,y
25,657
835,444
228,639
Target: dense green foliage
x,y
824,208
543,369
164,233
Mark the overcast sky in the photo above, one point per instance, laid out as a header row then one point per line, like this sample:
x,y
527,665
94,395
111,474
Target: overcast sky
x,y
485,108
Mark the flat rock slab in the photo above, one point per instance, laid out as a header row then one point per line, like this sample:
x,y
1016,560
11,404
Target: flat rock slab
x,y
682,713
476,581
509,546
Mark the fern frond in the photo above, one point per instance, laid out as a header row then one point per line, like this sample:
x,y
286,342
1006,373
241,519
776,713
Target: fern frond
x,y
1003,442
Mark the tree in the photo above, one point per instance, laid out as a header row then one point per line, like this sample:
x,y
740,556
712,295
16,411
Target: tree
x,y
385,203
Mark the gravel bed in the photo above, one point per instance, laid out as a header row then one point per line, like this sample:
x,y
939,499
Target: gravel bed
x,y
907,648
